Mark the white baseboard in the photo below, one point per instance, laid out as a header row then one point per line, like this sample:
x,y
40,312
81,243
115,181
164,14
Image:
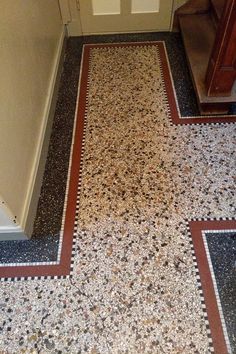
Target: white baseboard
x,y
33,193
12,233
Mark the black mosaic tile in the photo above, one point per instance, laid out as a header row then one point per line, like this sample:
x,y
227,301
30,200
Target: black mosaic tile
x,y
222,248
50,206
34,250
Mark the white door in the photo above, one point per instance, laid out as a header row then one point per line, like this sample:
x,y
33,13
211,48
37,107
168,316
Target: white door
x,y
117,16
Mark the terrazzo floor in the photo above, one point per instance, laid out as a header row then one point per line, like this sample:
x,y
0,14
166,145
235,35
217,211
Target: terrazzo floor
x,y
50,208
133,288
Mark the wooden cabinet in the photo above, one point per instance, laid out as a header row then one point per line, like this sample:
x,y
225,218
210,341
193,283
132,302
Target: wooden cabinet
x,y
209,36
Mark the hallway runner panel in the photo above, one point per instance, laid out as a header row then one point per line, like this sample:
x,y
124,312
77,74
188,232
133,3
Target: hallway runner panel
x,y
135,178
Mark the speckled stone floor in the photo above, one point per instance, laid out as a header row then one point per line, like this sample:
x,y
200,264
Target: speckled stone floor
x,y
222,248
134,288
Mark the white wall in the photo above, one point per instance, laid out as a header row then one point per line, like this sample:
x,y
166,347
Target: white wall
x,y
30,33
74,24
6,219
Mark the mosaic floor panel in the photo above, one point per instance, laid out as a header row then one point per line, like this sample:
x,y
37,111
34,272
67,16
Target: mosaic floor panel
x,y
132,286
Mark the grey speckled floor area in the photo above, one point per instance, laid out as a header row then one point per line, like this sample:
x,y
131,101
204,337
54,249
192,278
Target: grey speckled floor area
x,y
222,248
34,250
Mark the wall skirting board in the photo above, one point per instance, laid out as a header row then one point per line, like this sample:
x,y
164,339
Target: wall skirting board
x,y
24,231
11,229
12,233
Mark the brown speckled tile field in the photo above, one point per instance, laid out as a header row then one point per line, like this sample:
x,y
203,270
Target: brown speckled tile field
x,y
133,287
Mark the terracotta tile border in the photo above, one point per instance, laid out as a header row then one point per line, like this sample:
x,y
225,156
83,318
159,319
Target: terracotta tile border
x,y
63,268
196,229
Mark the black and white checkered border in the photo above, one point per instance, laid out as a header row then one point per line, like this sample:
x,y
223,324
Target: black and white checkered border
x,y
165,99
81,168
211,347
57,262
222,218
41,277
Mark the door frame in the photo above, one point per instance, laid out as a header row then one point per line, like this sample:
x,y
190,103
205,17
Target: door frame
x,y
74,23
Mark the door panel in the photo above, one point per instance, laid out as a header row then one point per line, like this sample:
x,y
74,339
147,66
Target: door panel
x,y
117,16
148,6
104,7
